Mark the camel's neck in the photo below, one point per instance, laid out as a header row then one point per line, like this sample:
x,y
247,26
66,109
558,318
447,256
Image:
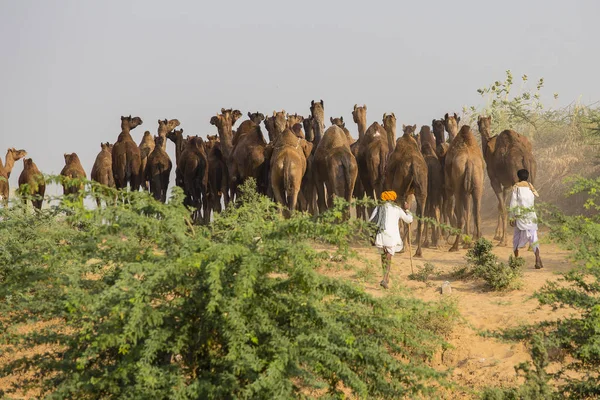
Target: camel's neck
x,y
391,135
318,131
164,142
362,128
452,134
226,137
485,139
10,163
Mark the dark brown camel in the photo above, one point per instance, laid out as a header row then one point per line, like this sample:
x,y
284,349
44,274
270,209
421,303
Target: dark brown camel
x,y
308,128
247,158
32,183
334,168
218,180
441,148
372,160
288,165
464,180
72,170
158,170
406,174
504,155
293,120
359,116
12,155
102,169
192,175
126,159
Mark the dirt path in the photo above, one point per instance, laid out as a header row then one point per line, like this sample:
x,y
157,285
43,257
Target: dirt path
x,y
476,361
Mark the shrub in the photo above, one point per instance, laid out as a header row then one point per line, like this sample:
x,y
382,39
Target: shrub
x,y
423,273
135,302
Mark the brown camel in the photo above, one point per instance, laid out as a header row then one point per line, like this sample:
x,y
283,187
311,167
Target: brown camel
x,y
464,180
288,157
426,136
406,174
126,159
297,130
72,170
164,127
176,136
158,170
192,175
102,169
504,155
218,180
372,160
359,116
317,112
441,148
256,117
146,147
32,183
247,158
433,204
12,155
335,168
389,124
451,125
224,123
308,128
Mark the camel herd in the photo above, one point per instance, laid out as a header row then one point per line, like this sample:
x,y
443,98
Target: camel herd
x,y
304,166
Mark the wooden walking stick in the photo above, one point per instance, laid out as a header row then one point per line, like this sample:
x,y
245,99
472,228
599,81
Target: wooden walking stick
x,y
410,250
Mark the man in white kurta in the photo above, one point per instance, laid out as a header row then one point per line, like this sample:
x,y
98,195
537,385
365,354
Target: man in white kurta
x,y
388,240
523,216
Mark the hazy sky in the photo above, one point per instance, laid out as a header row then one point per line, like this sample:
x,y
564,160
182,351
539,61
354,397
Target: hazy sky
x,y
70,69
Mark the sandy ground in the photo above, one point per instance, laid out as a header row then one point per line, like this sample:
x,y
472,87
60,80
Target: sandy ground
x,y
475,361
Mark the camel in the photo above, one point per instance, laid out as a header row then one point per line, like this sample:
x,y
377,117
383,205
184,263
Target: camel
x,y
146,147
12,155
288,157
441,148
192,175
359,116
102,169
451,125
317,112
297,130
334,167
433,204
504,155
256,117
389,124
406,174
426,136
32,183
464,180
308,128
126,159
224,123
218,180
72,170
176,136
340,122
158,170
372,160
247,159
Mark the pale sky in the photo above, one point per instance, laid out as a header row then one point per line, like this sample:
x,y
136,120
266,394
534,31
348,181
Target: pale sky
x,y
70,68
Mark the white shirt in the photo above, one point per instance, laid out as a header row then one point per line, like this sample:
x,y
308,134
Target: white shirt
x,y
389,236
521,206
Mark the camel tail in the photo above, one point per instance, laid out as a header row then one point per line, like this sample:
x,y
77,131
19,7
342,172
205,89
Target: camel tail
x,y
529,165
468,179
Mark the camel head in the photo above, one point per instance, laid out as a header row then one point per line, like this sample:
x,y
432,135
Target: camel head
x,y
71,158
484,124
338,122
226,119
175,135
280,121
389,121
359,114
294,119
15,154
106,146
308,128
438,130
212,141
409,130
317,110
165,125
130,123
451,124
297,130
28,163
256,117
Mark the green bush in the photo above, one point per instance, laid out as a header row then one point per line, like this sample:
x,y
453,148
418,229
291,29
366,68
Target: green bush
x,y
423,273
133,301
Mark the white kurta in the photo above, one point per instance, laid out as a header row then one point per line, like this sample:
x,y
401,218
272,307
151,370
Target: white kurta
x,y
521,207
389,238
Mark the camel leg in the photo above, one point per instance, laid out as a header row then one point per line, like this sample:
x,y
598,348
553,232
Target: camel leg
x,y
421,199
504,238
459,222
436,230
477,213
498,192
467,217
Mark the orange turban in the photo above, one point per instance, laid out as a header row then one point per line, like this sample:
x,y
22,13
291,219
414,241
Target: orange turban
x,y
389,195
